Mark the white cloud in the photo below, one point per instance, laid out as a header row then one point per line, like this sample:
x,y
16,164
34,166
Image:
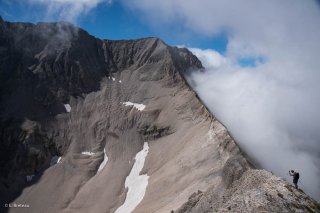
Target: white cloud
x,y
209,58
271,109
273,121
68,10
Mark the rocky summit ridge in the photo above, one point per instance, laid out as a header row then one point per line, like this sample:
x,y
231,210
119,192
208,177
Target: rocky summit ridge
x,y
91,125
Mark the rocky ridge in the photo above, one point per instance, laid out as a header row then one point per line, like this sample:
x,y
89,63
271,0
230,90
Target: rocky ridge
x,y
255,191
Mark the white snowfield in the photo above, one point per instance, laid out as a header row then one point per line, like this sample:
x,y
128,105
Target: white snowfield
x,y
68,107
104,162
87,153
113,79
139,107
136,184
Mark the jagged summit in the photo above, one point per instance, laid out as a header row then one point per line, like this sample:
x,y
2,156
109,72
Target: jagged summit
x,y
90,125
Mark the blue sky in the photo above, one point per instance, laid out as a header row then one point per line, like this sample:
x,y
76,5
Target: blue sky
x,y
114,21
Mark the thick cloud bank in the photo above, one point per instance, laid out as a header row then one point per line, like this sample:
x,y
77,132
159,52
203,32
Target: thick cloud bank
x,y
265,88
275,123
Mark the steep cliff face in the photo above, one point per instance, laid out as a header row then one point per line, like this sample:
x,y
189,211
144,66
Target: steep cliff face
x,y
106,126
40,70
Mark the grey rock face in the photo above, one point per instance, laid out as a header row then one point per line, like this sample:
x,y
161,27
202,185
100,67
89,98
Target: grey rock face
x,y
82,104
255,191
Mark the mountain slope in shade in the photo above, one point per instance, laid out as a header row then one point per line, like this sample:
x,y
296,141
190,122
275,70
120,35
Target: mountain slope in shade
x,y
66,93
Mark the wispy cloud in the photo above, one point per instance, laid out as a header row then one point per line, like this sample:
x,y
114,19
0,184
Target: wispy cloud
x,y
271,108
68,10
71,11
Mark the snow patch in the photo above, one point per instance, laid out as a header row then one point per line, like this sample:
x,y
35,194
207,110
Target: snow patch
x,y
120,81
104,162
55,160
59,160
87,153
139,107
113,79
136,184
68,107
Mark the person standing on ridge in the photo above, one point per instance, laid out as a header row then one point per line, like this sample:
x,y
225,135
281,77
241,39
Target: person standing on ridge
x,y
295,176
